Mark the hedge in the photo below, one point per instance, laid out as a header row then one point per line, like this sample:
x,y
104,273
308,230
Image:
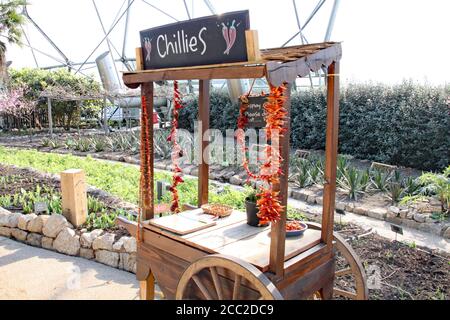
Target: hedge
x,y
406,124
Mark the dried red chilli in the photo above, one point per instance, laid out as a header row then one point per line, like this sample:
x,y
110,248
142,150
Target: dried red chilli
x,y
240,137
145,200
268,202
176,150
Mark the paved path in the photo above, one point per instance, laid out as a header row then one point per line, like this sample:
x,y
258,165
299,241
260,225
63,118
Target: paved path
x,y
32,273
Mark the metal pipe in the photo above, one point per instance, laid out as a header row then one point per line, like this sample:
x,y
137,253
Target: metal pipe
x,y
313,13
301,40
108,42
50,120
332,20
210,6
187,10
158,9
110,30
25,13
125,33
32,50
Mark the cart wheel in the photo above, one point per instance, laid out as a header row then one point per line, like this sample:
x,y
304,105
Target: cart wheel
x,y
223,277
350,272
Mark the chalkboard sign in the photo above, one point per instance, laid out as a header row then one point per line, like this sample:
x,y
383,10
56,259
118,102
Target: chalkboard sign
x,y
255,112
207,40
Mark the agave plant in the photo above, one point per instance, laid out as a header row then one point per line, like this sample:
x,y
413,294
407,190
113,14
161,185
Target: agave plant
x,y
354,182
99,144
45,142
302,177
342,165
54,143
412,187
396,191
379,180
163,149
315,173
70,144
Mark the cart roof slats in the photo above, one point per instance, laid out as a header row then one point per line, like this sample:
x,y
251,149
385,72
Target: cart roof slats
x,y
277,64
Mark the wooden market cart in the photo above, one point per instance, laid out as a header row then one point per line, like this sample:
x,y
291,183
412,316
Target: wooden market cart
x,y
230,259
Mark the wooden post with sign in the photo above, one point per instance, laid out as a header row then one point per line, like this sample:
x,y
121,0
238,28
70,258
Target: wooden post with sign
x,y
74,196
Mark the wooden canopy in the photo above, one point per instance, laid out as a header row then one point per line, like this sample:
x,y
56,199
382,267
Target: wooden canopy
x,y
279,65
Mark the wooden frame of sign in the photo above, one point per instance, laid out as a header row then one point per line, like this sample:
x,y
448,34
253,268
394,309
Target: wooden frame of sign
x,y
253,51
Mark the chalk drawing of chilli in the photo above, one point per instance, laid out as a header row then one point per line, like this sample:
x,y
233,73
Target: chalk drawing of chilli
x,y
229,34
147,48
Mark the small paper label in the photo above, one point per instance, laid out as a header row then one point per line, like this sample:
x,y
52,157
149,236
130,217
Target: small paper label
x,y
40,207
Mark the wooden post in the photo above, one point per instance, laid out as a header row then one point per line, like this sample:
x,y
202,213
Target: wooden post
x,y
331,151
139,59
278,230
74,196
50,120
105,116
252,40
147,288
203,168
147,159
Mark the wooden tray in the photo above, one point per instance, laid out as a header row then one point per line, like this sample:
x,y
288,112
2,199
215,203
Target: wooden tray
x,y
180,224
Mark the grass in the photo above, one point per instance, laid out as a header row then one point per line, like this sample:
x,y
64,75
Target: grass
x,y
121,180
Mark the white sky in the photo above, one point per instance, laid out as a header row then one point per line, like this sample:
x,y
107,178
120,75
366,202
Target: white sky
x,y
383,40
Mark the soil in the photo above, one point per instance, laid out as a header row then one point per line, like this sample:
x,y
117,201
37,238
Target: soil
x,y
407,272
23,178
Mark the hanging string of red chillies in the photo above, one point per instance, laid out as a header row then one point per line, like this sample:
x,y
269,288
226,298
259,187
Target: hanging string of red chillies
x,y
268,202
145,199
240,134
176,150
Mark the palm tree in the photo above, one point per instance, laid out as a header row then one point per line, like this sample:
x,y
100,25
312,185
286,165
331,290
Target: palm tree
x,y
10,30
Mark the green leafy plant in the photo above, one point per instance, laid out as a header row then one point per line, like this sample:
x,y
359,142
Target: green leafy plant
x,y
395,191
302,178
99,144
439,185
379,179
412,186
251,194
354,182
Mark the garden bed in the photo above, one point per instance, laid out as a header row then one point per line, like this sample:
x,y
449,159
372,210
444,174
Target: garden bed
x,y
393,196
406,271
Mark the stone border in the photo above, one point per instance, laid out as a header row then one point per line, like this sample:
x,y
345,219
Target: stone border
x,y
54,232
411,217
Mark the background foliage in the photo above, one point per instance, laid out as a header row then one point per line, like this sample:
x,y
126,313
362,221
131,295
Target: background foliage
x,y
406,124
65,113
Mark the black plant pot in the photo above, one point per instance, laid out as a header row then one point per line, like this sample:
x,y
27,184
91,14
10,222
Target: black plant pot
x,y
252,211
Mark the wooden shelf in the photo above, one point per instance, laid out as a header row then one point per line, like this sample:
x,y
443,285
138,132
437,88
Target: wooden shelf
x,y
233,236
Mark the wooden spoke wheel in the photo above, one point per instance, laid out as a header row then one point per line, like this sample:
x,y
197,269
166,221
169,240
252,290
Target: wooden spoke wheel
x,y
221,277
350,277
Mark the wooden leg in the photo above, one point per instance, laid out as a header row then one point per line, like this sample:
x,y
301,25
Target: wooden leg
x,y
147,288
327,292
